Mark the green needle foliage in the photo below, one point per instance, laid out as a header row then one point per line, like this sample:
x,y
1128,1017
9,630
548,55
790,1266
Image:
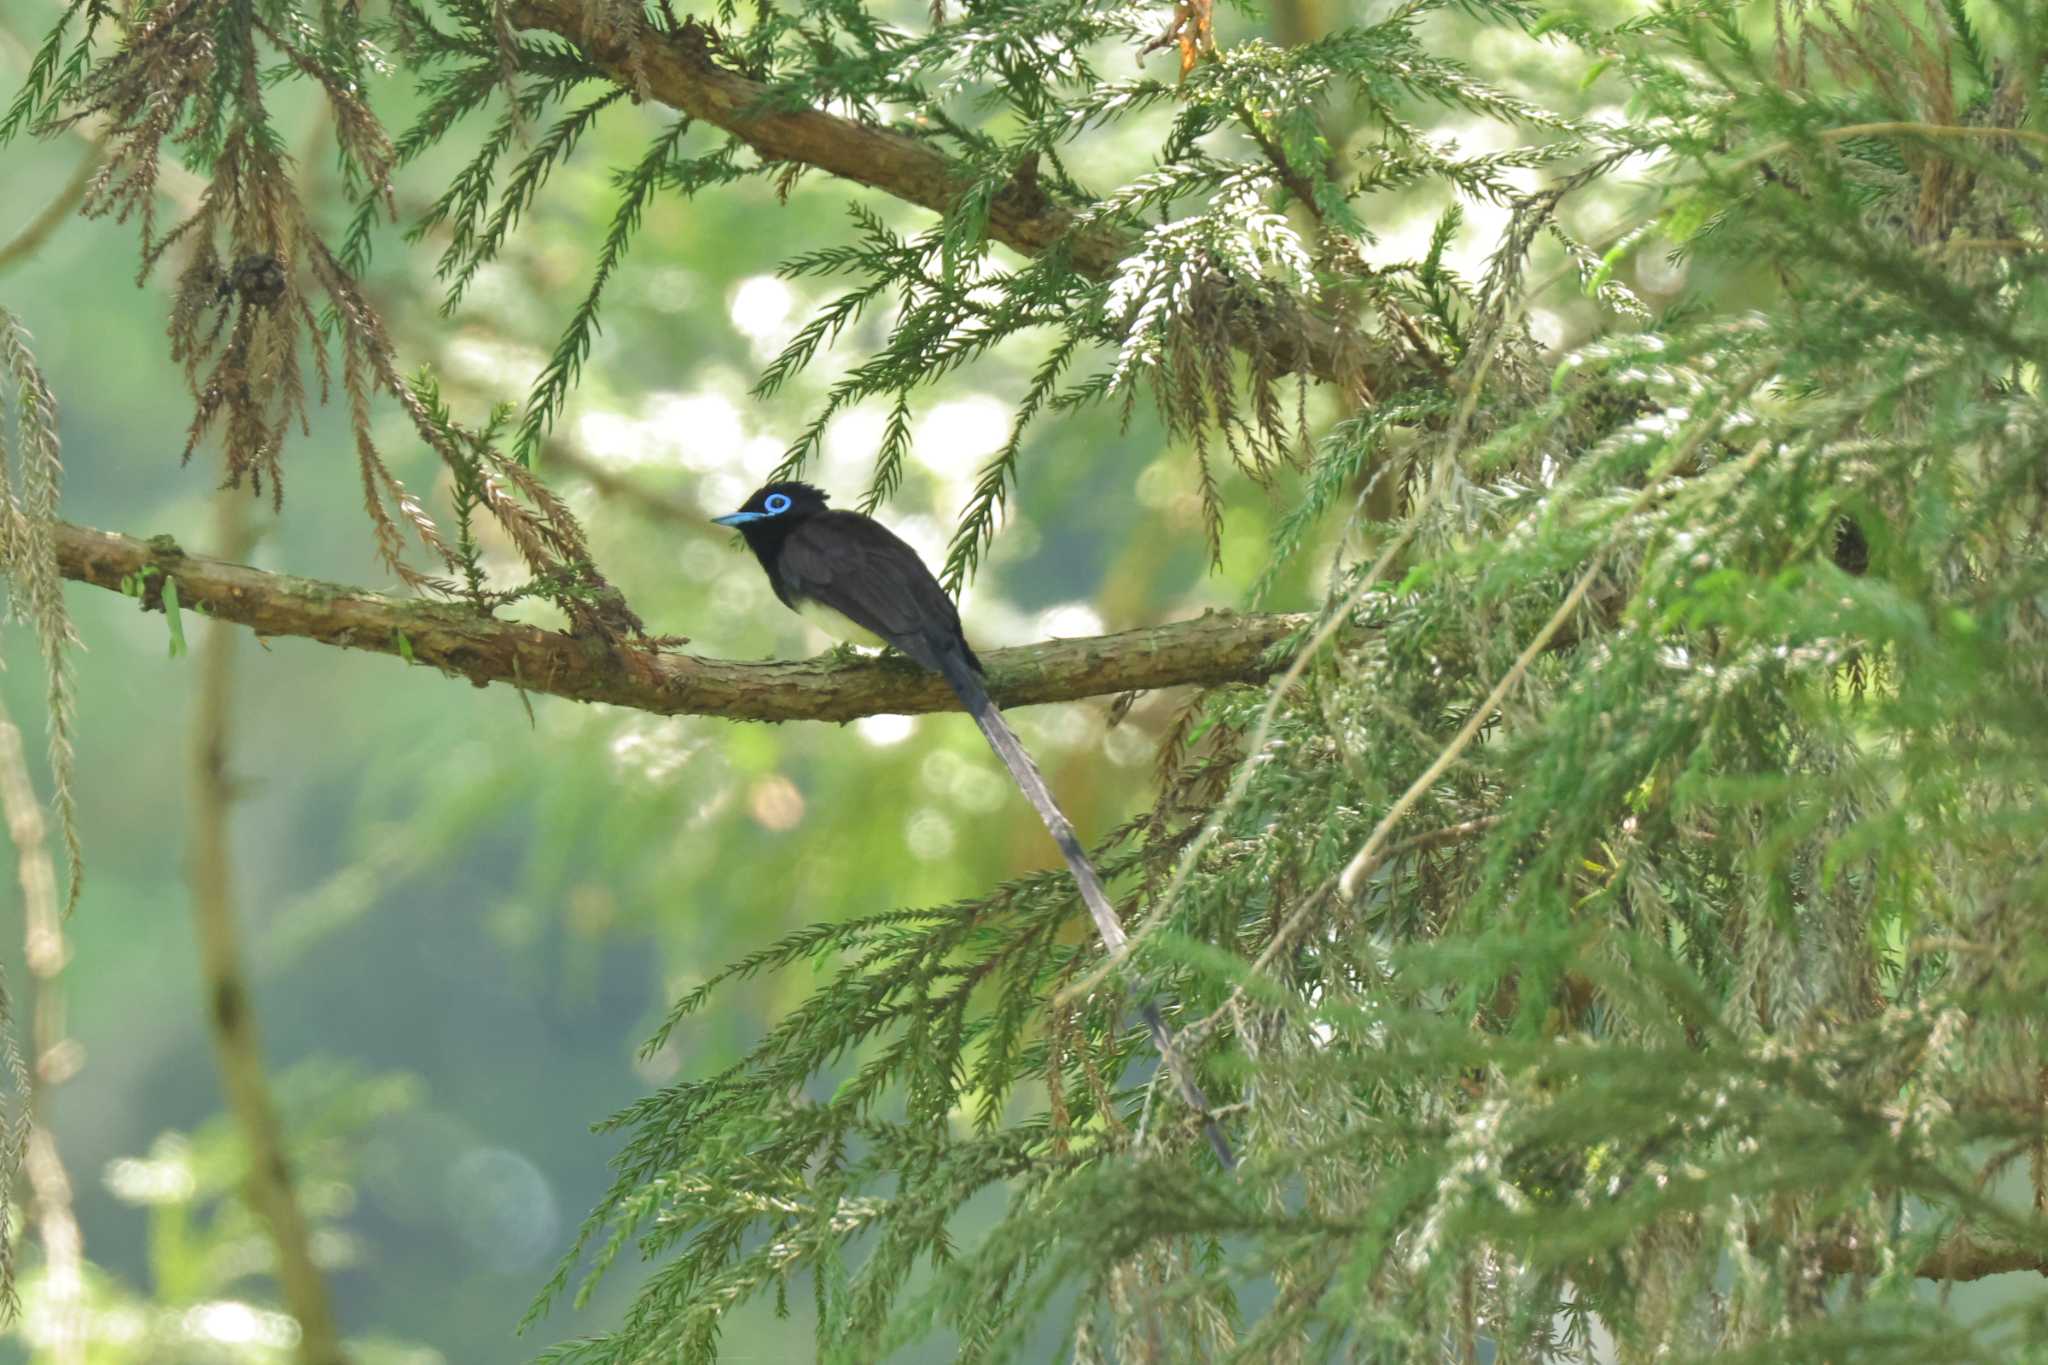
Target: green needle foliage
x,y
1618,933
1208,257
1623,930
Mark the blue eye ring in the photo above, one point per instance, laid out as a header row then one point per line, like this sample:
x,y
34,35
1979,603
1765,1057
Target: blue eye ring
x,y
776,505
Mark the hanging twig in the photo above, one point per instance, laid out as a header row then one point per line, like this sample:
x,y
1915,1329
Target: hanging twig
x,y
61,1315
26,242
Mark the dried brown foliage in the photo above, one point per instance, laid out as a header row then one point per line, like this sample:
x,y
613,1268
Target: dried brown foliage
x,y
31,478
260,297
1192,33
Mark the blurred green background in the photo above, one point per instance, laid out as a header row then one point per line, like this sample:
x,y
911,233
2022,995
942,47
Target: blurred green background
x,y
465,910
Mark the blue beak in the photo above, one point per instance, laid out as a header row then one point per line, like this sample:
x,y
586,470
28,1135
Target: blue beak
x,y
736,518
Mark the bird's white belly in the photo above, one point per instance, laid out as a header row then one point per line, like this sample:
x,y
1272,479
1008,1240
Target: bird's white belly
x,y
838,626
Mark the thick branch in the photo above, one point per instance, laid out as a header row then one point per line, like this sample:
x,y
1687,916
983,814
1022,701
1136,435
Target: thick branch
x,y
1220,647
678,70
1962,1257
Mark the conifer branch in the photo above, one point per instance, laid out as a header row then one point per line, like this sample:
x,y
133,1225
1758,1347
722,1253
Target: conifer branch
x,y
1963,1256
678,69
1219,647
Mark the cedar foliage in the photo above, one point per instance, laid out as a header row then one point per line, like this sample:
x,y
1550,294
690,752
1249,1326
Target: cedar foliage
x,y
1621,925
31,481
1625,921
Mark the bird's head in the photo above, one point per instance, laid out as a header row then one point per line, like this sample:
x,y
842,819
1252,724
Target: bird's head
x,y
785,503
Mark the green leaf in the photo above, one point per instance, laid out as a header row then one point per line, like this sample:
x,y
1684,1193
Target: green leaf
x,y
173,615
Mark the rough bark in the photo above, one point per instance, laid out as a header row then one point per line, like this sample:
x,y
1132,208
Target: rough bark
x,y
1219,647
1962,1257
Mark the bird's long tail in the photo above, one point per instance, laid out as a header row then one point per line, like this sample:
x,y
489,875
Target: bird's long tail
x,y
1004,741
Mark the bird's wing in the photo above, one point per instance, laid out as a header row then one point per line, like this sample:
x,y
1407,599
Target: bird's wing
x,y
865,572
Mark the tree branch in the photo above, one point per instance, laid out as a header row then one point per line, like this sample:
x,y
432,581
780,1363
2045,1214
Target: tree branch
x,y
1963,1256
1219,647
30,239
230,1017
678,69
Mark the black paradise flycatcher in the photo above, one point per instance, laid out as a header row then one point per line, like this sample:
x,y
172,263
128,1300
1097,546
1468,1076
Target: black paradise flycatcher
x,y
858,580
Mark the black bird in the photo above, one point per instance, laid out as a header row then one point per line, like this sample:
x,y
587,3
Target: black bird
x,y
856,579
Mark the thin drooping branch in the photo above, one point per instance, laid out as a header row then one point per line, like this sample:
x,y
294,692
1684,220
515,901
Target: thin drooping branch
x,y
62,1313
1220,647
679,70
37,230
236,1043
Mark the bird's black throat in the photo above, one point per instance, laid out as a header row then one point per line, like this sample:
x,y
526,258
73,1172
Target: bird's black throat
x,y
767,536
